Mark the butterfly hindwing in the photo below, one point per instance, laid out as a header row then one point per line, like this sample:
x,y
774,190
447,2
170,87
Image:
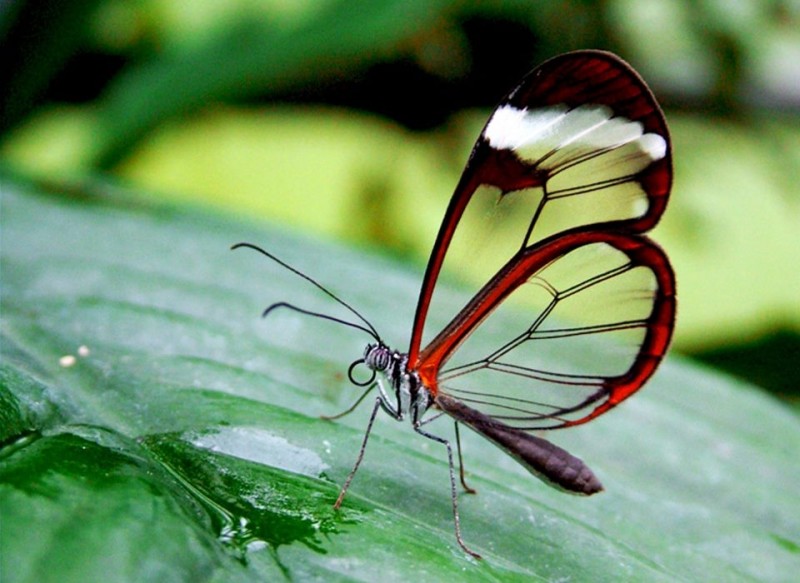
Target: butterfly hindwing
x,y
592,317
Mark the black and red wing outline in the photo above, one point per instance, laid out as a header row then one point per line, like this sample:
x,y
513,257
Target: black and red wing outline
x,y
574,86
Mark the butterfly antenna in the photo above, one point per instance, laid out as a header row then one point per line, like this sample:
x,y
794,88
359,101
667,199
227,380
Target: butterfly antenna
x,y
300,310
369,328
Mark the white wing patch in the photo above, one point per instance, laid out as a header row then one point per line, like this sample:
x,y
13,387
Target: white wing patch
x,y
511,128
555,137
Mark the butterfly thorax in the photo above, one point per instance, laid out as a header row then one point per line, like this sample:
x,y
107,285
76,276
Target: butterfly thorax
x,y
400,390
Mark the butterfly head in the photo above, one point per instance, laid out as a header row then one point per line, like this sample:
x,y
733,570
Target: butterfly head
x,y
379,357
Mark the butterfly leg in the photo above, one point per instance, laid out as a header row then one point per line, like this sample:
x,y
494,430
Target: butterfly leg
x,y
453,493
351,408
349,479
467,488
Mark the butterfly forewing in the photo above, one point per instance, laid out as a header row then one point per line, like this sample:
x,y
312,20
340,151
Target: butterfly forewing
x,y
572,165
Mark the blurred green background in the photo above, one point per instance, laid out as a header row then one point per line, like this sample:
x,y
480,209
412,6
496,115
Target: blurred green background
x,y
353,119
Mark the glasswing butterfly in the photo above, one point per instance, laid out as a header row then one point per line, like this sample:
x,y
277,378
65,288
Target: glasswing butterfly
x,y
573,166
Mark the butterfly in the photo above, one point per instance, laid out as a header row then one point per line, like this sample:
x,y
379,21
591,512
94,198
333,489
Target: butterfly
x,y
572,168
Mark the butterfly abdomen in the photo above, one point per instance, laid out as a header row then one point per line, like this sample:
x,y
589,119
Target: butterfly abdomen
x,y
553,465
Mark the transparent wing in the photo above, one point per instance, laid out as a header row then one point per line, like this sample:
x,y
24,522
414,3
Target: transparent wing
x,y
593,315
579,145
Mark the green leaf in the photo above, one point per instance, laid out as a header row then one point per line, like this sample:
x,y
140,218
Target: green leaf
x,y
155,428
